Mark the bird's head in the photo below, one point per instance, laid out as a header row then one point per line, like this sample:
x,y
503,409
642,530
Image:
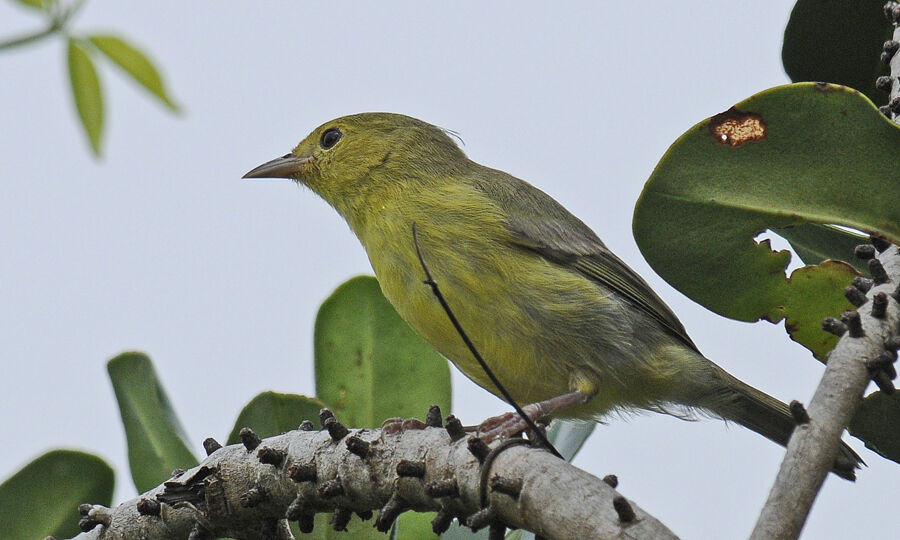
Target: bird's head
x,y
357,161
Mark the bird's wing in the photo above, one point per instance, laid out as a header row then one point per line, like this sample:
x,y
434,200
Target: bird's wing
x,y
576,247
539,223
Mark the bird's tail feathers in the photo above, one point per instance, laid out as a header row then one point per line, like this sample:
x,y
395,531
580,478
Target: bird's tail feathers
x,y
756,410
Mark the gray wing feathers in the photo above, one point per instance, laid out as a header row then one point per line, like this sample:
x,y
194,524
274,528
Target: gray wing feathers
x,y
572,248
538,223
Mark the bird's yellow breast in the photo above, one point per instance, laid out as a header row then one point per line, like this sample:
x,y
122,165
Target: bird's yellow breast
x,y
503,295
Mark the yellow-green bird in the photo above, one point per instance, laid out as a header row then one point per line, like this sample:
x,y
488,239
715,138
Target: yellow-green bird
x,y
558,317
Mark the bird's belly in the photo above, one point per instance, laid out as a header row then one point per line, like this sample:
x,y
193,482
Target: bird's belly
x,y
542,329
503,334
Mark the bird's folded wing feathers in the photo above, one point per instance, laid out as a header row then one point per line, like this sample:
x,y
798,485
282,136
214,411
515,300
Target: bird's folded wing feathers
x,y
577,248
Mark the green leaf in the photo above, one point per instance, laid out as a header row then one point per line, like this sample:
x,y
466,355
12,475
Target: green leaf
x,y
460,532
568,436
415,525
157,444
837,41
271,413
796,154
370,365
43,497
87,94
135,63
357,528
35,4
815,243
877,422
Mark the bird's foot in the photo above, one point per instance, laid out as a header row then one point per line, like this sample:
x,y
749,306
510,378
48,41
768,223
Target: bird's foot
x,y
508,425
511,424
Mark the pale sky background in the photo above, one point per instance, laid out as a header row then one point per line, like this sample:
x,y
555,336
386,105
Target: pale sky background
x,y
161,247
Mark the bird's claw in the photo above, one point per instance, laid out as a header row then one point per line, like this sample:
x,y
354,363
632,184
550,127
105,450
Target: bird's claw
x,y
504,426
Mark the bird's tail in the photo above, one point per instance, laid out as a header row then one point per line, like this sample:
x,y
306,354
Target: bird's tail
x,y
756,410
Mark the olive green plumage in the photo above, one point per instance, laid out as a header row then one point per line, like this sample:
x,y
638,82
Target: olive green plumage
x,y
550,308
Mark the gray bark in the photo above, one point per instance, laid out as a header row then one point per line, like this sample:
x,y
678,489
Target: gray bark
x,y
556,500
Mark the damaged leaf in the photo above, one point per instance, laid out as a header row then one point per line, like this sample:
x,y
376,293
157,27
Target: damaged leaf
x,y
807,154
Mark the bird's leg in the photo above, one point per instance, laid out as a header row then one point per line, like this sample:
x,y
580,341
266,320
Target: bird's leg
x,y
510,424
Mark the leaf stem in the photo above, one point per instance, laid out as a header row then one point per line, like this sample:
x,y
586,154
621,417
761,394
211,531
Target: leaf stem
x,y
14,42
59,18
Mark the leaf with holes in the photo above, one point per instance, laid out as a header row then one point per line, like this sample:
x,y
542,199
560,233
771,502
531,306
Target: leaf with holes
x,y
815,243
788,156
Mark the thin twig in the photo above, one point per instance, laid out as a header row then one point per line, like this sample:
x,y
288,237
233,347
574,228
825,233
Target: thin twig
x,y
11,43
465,337
59,18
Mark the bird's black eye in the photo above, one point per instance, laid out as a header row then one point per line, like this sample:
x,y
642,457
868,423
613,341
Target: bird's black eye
x,y
330,138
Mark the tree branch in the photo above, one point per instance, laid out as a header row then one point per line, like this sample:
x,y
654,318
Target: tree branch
x,y
247,491
813,446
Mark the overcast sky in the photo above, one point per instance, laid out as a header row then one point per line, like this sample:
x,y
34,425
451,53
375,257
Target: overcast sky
x,y
161,247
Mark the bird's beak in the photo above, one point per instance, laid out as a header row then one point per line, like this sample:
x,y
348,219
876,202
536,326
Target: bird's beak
x,y
287,166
